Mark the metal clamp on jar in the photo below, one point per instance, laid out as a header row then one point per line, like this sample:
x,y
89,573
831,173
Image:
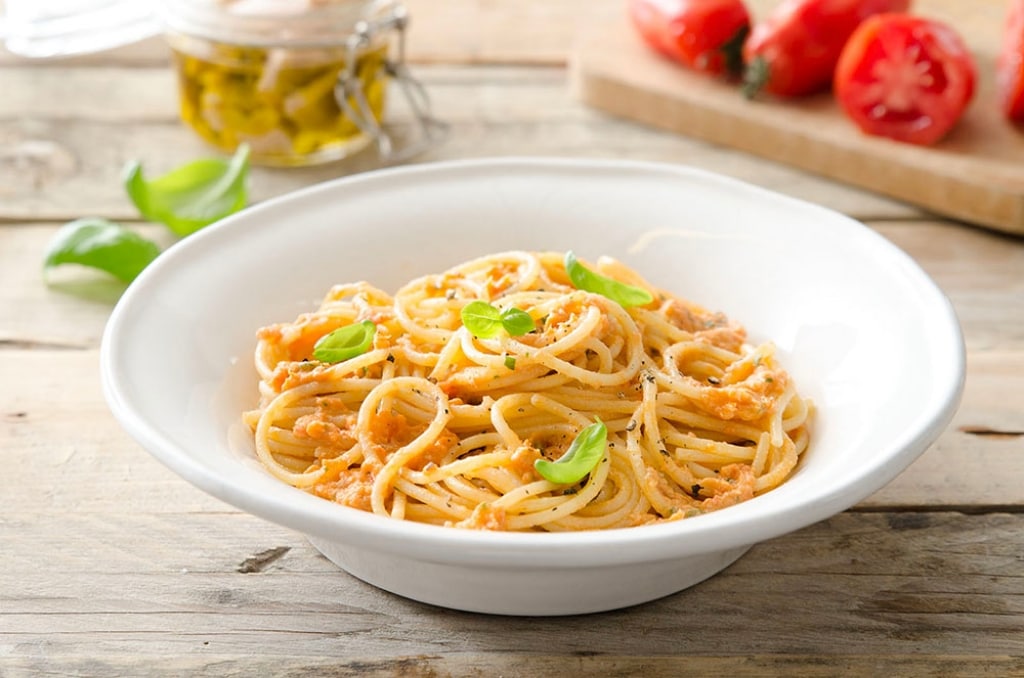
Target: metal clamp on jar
x,y
301,82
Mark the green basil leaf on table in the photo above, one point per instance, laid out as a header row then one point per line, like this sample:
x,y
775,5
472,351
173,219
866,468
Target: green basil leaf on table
x,y
103,245
584,279
345,343
580,459
194,195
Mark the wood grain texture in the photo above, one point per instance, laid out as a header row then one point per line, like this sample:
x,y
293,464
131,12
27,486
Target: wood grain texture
x,y
470,32
979,271
856,585
211,663
975,174
112,565
62,158
987,298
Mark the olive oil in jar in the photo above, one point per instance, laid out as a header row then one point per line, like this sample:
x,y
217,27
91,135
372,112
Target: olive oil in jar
x,y
300,81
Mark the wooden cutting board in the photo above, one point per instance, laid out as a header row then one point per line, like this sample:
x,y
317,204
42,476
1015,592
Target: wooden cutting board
x,y
976,174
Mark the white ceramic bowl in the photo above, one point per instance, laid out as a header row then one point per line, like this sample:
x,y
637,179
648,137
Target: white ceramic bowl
x,y
862,329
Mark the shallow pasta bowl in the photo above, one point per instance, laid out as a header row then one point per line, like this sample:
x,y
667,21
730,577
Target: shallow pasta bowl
x,y
864,332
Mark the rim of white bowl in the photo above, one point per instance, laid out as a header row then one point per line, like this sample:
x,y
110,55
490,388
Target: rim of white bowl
x,y
716,531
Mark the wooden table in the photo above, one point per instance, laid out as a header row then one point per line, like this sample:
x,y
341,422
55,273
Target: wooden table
x,y
112,565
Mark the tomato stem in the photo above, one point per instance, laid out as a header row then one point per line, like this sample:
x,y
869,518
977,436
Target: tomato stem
x,y
755,77
732,50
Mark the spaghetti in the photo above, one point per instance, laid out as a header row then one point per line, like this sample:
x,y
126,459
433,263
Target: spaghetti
x,y
433,424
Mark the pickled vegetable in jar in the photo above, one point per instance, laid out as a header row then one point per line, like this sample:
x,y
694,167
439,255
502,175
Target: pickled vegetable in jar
x,y
300,81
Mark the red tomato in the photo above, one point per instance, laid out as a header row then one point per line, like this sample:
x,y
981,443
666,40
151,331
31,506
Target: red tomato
x,y
1010,66
905,77
795,51
703,34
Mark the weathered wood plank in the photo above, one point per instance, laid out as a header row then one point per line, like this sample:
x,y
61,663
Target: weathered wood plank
x,y
114,566
151,94
215,663
62,157
979,271
981,447
989,298
34,315
65,452
465,32
859,584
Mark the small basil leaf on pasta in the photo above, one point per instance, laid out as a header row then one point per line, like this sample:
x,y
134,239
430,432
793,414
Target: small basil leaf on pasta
x,y
482,320
345,343
510,362
584,279
103,245
580,459
517,322
193,195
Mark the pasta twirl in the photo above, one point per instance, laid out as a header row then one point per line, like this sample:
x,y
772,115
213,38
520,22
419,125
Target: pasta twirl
x,y
436,425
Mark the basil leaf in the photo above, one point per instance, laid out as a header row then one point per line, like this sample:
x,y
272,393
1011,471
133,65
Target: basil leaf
x,y
584,279
193,195
345,342
516,321
101,244
510,362
579,460
482,320
486,322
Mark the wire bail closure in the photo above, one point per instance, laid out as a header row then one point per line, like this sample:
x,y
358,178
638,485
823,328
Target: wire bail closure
x,y
351,96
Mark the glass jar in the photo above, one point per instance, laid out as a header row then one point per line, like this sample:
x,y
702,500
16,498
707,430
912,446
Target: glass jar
x,y
301,82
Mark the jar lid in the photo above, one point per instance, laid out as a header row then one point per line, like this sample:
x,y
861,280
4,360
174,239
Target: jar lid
x,y
270,22
66,27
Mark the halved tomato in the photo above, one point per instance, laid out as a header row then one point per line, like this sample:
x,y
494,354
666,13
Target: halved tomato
x,y
905,77
1010,66
706,35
